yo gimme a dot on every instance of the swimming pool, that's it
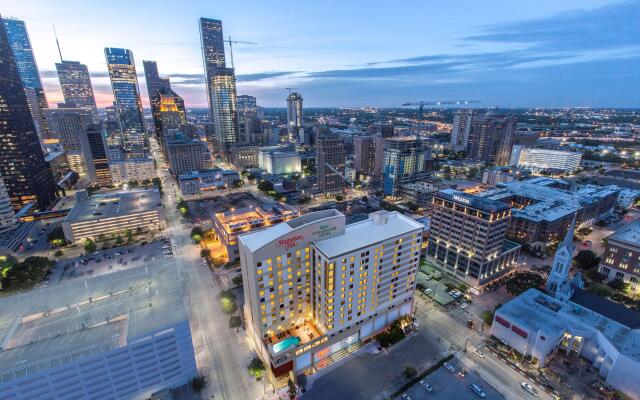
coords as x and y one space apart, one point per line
285 344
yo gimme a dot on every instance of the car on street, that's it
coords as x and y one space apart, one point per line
479 353
464 305
462 373
450 367
428 290
527 387
425 385
406 397
477 389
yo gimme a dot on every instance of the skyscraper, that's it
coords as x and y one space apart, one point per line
368 155
94 148
8 220
28 69
166 105
76 84
124 82
405 160
247 117
330 163
22 166
491 138
462 120
294 115
221 85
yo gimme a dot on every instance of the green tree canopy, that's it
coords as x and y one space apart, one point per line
586 259
523 281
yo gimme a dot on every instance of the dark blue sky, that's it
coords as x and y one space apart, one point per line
364 53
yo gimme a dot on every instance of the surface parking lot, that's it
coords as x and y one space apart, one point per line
450 386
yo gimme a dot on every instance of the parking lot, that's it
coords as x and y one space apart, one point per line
111 260
447 385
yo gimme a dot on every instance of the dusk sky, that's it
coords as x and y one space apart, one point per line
546 53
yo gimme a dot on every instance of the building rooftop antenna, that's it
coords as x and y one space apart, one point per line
57 43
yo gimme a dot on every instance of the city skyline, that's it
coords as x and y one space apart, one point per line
543 54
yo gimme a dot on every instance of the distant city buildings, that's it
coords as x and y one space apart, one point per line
368 156
462 121
20 43
314 286
76 84
467 238
27 177
538 160
124 82
330 164
294 115
621 258
405 160
491 138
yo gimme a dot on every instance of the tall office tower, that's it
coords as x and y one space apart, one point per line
76 84
316 288
330 163
95 150
8 220
224 107
124 82
248 118
405 160
294 115
221 85
28 71
22 166
162 98
467 240
68 125
462 120
491 138
369 156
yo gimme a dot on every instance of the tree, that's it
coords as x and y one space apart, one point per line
238 183
119 240
228 300
129 235
256 368
292 390
237 280
391 335
339 197
586 260
523 281
58 253
89 246
27 273
618 284
265 186
235 321
365 199
198 383
196 234
487 317
56 237
205 253
409 372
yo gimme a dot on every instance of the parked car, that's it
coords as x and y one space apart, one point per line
450 367
428 290
477 389
425 385
479 353
464 305
406 397
527 387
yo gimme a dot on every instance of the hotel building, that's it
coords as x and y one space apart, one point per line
316 289
467 238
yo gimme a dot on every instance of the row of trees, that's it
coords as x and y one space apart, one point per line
15 275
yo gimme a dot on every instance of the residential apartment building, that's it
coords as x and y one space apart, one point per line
491 138
467 240
368 156
405 160
330 163
316 288
621 259
186 154
462 121
538 160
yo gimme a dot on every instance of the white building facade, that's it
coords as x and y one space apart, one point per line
542 159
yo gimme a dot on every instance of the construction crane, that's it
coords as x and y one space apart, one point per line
231 42
291 88
422 103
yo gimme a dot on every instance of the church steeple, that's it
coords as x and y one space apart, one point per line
558 284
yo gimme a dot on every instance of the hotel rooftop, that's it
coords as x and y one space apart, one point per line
250 218
49 327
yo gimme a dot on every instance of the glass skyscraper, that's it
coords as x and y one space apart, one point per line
76 84
124 82
26 175
221 85
167 106
28 69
